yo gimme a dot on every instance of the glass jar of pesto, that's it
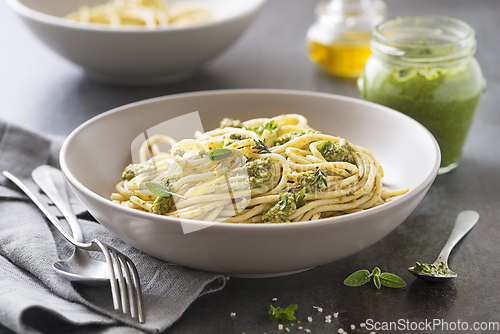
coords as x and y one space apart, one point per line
424 66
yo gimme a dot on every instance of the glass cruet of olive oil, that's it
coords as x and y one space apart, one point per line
339 40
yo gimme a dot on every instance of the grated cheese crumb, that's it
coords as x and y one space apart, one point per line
309 319
307 330
328 321
233 314
341 330
274 299
320 309
287 329
336 314
362 324
300 328
352 326
280 326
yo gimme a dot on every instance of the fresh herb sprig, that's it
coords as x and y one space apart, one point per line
299 193
325 147
363 276
278 314
161 190
320 176
261 146
220 154
299 199
271 126
282 201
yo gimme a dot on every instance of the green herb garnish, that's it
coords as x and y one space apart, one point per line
220 154
278 314
283 201
325 147
261 146
271 126
300 198
161 190
320 176
202 153
363 276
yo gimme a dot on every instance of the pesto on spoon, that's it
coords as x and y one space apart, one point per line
439 270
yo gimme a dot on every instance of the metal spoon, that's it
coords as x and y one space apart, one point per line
80 267
464 223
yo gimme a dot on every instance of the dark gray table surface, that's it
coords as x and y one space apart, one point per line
44 92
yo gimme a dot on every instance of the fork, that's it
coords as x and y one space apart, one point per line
124 278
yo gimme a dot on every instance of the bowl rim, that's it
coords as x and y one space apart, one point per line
35 15
304 224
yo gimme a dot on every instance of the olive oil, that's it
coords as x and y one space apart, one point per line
339 59
339 40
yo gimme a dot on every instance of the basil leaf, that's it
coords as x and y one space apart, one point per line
283 200
161 190
376 281
220 154
391 280
376 271
278 314
358 278
271 126
325 147
300 198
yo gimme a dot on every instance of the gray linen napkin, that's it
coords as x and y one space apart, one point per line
34 298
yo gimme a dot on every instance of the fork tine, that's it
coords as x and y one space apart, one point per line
123 278
115 292
121 281
130 287
137 289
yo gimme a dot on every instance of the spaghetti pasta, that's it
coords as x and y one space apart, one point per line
149 13
269 170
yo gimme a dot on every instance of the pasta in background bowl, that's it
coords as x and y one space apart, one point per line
94 156
137 55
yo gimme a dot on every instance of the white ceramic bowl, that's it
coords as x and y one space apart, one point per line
136 55
94 155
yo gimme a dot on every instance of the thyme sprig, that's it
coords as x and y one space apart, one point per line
261 146
320 176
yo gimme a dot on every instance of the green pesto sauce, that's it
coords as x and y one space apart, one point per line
283 139
162 205
432 269
260 172
274 214
306 180
338 152
443 100
235 137
133 170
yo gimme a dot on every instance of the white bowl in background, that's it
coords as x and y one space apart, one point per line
94 155
134 55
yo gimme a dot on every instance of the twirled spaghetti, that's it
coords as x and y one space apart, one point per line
267 170
150 13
